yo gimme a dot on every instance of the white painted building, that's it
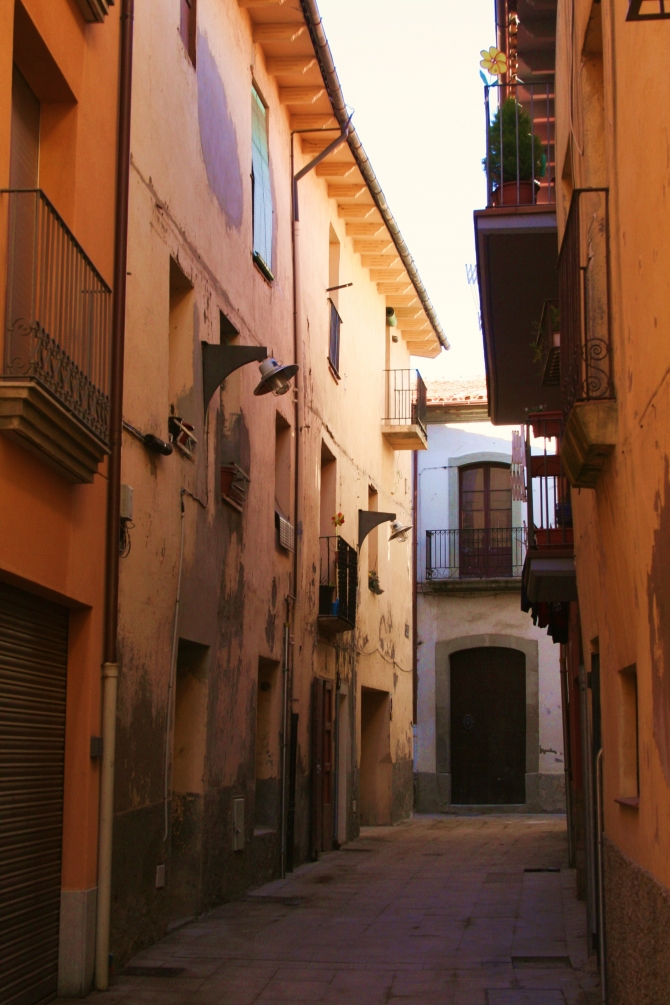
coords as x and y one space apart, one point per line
489 727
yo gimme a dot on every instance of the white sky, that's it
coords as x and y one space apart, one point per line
411 72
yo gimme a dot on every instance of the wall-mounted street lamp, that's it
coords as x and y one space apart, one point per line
219 361
368 519
275 377
399 532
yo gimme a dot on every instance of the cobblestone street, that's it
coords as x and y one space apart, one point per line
474 910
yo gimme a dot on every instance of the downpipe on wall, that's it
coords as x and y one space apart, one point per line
567 754
173 672
110 666
601 885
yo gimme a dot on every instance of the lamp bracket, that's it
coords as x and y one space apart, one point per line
219 361
368 520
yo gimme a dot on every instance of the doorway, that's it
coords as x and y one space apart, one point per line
376 767
33 689
322 764
488 726
188 778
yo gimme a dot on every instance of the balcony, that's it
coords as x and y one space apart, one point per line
495 553
587 384
54 389
516 244
338 585
405 410
549 568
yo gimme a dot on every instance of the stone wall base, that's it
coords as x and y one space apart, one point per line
545 793
637 922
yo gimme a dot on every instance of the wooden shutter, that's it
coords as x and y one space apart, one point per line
33 674
260 181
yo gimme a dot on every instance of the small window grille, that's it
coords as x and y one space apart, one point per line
234 483
286 533
181 434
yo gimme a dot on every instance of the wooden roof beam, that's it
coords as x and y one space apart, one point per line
300 95
390 288
382 261
402 300
372 247
261 3
350 190
280 31
315 122
389 275
334 169
359 211
365 229
290 64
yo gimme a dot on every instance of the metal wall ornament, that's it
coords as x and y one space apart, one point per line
648 10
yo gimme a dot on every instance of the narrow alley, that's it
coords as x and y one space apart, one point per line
449 910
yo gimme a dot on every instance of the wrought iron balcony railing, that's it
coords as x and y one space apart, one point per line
583 281
404 399
338 584
491 553
520 145
59 309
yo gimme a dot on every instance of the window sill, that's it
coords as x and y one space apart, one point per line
633 802
333 372
262 268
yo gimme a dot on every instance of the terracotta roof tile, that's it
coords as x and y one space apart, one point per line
457 392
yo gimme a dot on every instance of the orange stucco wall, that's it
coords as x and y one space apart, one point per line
621 528
53 531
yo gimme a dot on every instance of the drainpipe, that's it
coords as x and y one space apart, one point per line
299 421
567 754
110 666
334 89
284 733
601 881
415 565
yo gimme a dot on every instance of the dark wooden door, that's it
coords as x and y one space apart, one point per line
488 726
322 765
486 521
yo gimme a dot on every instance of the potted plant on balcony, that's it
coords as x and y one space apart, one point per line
523 157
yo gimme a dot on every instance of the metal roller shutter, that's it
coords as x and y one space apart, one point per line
33 675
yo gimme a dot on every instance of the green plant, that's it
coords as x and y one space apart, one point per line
373 582
532 160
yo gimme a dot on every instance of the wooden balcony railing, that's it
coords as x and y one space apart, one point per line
58 314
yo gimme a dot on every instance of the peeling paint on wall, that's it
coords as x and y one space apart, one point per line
218 137
658 593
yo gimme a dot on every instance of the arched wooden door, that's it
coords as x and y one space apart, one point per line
488 726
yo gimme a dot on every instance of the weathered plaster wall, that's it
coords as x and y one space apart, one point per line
191 201
621 534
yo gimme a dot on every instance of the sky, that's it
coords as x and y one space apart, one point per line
411 73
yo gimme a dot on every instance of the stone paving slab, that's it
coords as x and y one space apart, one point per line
438 911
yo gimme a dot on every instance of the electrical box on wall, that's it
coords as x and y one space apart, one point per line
238 824
126 507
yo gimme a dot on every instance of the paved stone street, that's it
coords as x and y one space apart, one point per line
443 910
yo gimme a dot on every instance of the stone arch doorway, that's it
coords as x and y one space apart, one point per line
488 725
444 650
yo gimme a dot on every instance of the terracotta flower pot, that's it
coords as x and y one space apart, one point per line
513 197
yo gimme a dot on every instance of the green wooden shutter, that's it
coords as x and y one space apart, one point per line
260 179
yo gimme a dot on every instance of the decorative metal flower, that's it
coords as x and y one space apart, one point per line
494 61
338 520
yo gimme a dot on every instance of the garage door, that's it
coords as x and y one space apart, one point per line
33 672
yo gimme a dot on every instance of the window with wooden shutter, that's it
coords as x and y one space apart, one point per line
260 186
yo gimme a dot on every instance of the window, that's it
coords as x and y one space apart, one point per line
333 283
180 340
261 191
187 26
486 521
334 341
629 759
